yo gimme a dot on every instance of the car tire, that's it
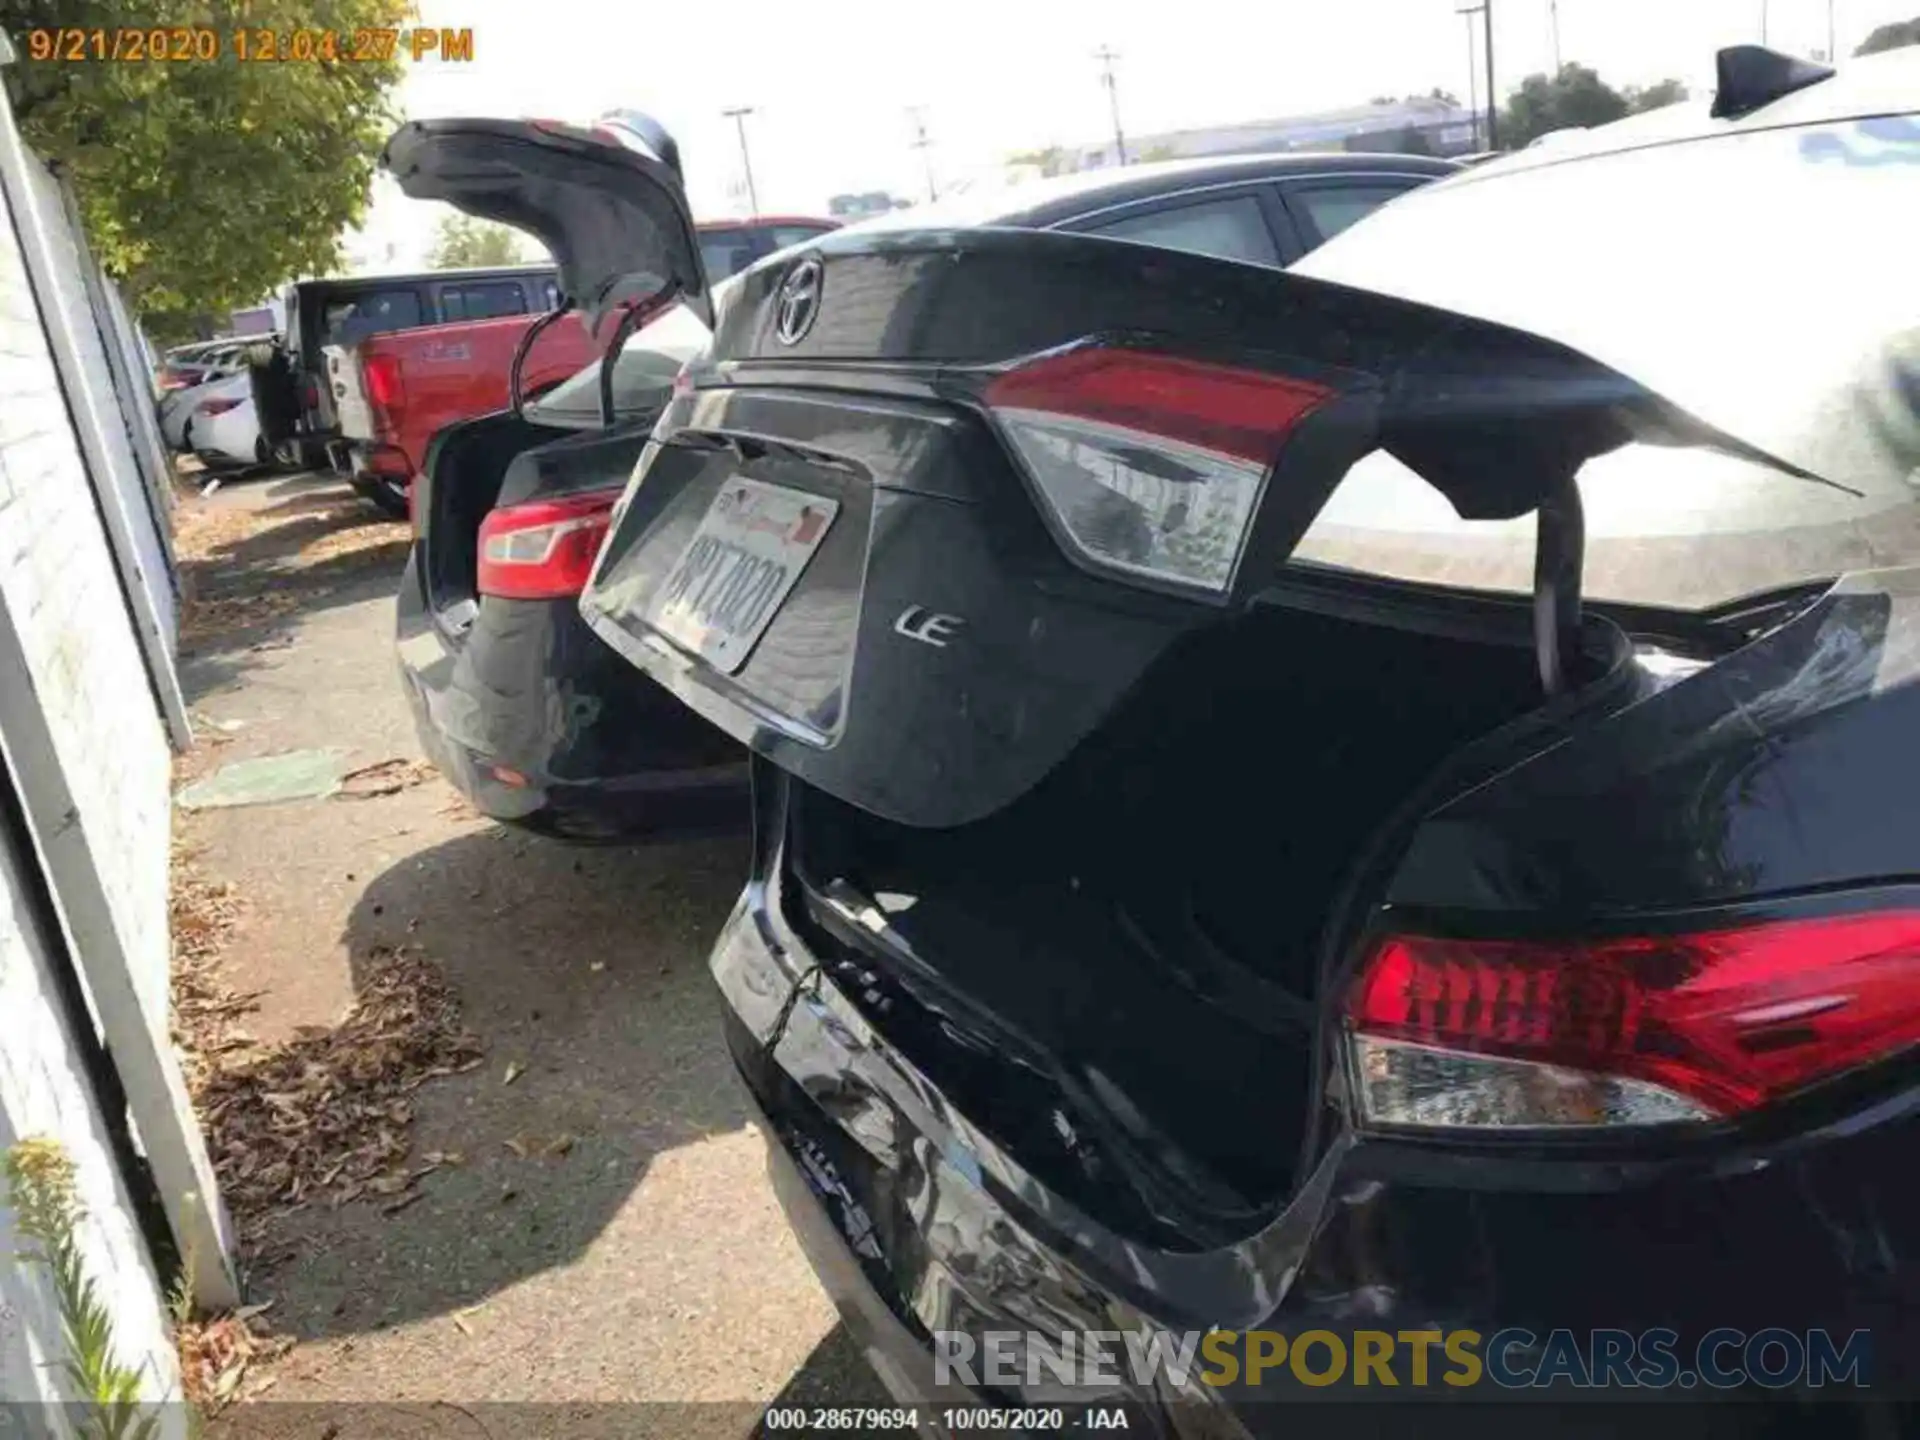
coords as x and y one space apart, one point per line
388 496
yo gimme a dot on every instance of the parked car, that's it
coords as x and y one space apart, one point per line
179 399
727 247
186 365
223 431
1150 930
291 388
394 392
531 716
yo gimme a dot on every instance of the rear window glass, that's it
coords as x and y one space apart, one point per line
1679 529
779 237
1231 229
1332 208
380 310
642 376
727 252
1760 280
482 300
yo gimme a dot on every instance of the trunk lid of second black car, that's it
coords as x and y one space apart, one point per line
938 501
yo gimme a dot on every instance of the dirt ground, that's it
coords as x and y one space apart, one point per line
597 1228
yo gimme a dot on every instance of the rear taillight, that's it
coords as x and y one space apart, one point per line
218 407
1152 464
386 387
310 394
1627 1031
543 550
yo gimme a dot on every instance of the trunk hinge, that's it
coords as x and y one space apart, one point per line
1559 552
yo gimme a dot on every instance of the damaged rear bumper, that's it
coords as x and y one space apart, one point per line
923 1230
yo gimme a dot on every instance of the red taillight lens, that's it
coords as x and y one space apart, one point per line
310 395
219 407
386 388
1152 464
1717 1023
543 550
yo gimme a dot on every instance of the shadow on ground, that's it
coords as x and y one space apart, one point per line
584 971
836 1374
306 544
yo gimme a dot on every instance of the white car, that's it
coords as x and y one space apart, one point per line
223 430
176 406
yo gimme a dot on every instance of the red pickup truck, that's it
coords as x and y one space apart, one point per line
394 392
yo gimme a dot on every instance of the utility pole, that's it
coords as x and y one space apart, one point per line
1763 22
739 115
1473 78
924 146
1553 17
1106 55
1832 40
1485 11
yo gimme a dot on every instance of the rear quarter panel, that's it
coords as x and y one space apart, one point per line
1785 768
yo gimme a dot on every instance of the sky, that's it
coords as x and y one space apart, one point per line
832 85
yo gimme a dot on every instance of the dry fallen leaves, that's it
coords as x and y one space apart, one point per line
325 1114
247 563
216 1354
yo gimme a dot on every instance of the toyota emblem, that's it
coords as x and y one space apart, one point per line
799 302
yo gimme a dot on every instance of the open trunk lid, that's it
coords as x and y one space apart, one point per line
607 201
875 537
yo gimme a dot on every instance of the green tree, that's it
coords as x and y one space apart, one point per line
1891 36
205 184
1049 159
1652 97
1575 97
465 241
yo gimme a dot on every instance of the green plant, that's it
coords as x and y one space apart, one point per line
47 1213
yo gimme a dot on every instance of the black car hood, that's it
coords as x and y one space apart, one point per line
614 217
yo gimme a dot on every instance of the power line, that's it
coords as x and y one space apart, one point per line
739 117
1106 55
924 145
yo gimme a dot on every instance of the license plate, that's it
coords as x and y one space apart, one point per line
732 578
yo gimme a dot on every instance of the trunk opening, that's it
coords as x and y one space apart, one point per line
463 476
1179 865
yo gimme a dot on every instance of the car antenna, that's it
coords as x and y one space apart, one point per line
1750 76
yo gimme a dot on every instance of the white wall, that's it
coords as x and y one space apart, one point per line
62 597
58 580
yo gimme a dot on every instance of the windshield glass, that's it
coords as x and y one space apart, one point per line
1812 360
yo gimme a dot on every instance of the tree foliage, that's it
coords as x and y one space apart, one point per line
465 241
1894 35
1048 160
206 184
1653 97
1576 97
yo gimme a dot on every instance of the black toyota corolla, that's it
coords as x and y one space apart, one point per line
1195 890
535 720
